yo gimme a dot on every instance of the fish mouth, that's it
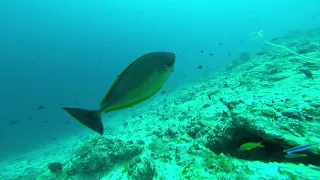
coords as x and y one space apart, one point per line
171 58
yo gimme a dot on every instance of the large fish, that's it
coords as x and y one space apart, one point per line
142 79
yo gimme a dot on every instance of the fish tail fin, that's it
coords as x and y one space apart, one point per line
260 145
89 118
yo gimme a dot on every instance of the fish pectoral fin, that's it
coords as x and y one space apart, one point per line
89 118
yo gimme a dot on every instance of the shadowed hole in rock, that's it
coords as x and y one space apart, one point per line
271 152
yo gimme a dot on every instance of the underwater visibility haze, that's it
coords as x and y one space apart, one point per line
212 89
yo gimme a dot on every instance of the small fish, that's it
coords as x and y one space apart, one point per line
307 73
138 82
314 167
200 67
220 43
274 39
300 148
211 54
13 122
201 51
295 155
250 145
40 107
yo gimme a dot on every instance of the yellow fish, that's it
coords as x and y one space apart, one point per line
250 145
142 79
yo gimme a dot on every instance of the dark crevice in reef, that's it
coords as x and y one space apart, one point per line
272 152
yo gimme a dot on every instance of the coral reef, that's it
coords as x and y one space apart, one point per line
194 132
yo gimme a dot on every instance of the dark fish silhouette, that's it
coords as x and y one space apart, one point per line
40 107
307 73
13 122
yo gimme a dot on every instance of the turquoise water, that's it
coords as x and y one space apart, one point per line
68 53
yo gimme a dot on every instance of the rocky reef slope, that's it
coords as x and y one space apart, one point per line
194 132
